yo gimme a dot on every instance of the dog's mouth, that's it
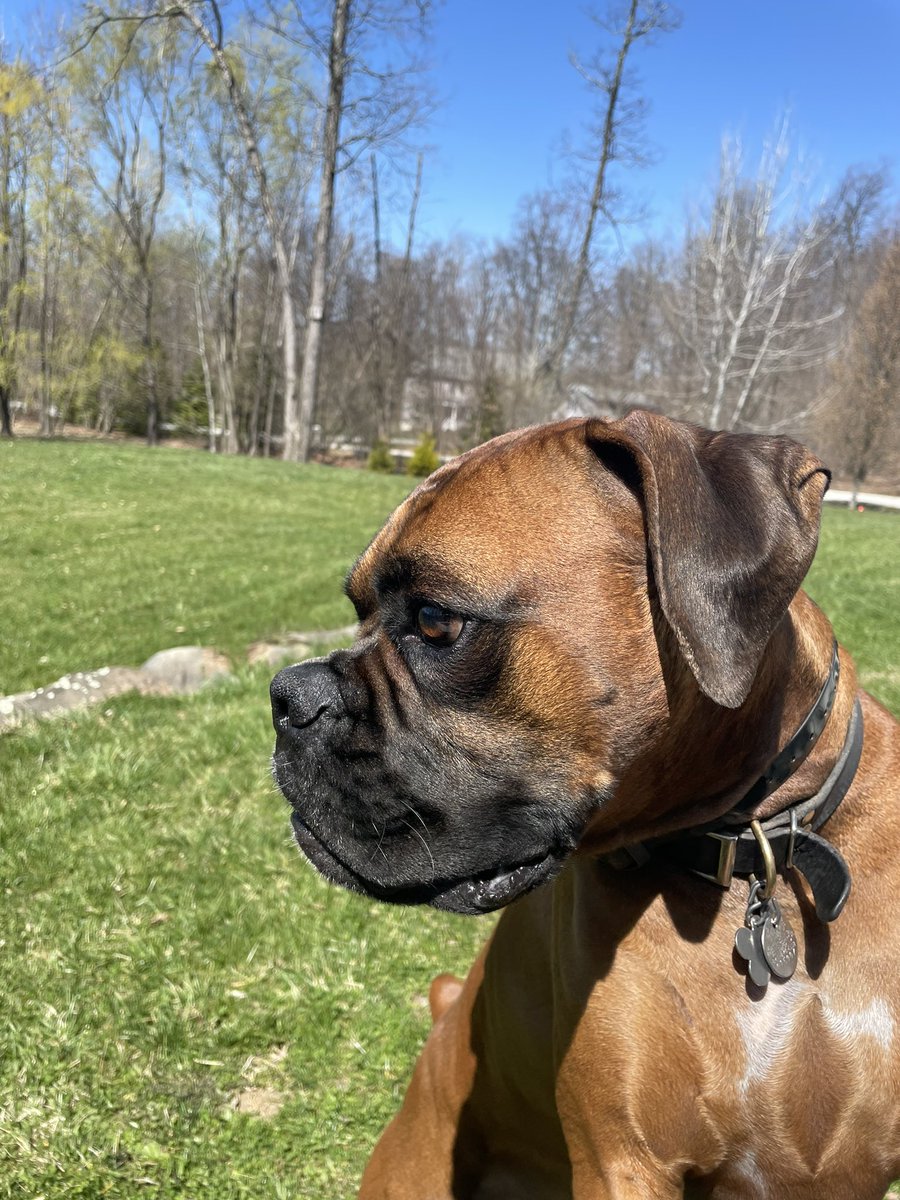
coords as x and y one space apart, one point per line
471 895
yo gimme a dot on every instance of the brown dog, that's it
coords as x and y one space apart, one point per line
584 657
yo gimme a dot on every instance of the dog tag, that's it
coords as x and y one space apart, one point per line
748 943
777 941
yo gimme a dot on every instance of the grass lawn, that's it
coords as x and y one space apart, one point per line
855 579
169 966
166 955
111 552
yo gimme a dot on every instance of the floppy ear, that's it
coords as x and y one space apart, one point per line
732 523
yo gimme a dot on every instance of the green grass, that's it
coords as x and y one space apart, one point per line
163 948
855 579
110 553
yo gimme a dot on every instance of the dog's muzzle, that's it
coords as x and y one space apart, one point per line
354 820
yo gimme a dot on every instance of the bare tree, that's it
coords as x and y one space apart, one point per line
868 376
104 301
389 349
743 303
855 214
618 140
481 314
638 357
211 35
534 268
367 105
214 158
338 67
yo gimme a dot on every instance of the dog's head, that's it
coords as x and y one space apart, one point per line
508 668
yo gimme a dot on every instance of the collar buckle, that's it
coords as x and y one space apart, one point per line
727 853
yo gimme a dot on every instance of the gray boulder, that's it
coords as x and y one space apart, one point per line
277 654
185 669
80 689
294 647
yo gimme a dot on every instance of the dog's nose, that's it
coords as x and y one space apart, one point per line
301 694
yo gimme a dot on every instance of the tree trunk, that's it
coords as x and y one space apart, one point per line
6 429
204 366
552 365
226 384
150 381
315 316
270 410
46 399
261 363
400 364
292 438
382 422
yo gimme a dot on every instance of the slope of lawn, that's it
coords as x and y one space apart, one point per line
186 1009
111 552
855 579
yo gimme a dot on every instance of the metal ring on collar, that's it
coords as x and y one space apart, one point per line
768 859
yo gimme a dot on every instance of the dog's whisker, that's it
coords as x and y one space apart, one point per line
415 813
413 829
381 838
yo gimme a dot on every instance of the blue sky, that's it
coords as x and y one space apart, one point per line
510 93
509 97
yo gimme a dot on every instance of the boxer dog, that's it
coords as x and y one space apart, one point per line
587 688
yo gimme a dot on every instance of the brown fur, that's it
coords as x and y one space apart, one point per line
605 1046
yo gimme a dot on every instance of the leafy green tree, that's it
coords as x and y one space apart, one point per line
126 76
380 458
19 97
191 408
424 458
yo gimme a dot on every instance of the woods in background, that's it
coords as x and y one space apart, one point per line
193 206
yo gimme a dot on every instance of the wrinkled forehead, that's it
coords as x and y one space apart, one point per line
479 526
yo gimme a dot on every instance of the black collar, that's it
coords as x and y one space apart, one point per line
728 847
795 752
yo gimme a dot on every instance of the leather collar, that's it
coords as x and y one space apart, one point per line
728 847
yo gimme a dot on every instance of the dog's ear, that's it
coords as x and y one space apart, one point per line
732 522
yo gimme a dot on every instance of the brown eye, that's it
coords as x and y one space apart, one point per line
437 625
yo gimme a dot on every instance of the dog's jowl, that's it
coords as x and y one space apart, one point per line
588 690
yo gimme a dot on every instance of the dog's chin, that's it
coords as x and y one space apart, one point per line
472 895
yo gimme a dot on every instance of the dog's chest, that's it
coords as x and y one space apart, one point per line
791 1018
814 1085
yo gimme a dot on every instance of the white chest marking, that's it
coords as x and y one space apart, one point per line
873 1021
750 1176
766 1028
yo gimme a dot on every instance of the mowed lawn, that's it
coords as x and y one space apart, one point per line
111 552
186 1010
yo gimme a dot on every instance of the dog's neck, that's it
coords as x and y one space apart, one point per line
812 638
705 758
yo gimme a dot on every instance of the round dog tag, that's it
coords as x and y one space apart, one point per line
779 946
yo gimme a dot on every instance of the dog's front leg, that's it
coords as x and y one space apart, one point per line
631 1134
417 1156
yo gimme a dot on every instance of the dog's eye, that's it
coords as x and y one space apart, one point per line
438 626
